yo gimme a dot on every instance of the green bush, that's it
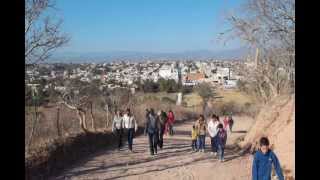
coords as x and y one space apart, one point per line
150 86
169 85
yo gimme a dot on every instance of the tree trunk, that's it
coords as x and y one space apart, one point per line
256 60
33 127
81 116
84 119
92 118
262 92
204 106
107 123
272 87
58 122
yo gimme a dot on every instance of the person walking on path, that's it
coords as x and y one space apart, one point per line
230 123
201 131
163 120
169 124
225 122
194 137
117 126
130 124
263 161
152 129
147 113
221 141
213 131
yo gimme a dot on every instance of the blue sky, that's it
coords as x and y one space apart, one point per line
145 25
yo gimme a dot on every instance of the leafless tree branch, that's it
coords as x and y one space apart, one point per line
42 33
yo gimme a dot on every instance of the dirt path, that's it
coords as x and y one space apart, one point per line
174 161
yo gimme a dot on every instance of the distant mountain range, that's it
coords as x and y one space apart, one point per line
75 57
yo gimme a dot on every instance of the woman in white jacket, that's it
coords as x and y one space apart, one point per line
130 124
213 131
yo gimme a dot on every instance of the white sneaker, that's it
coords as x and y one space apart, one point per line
215 154
211 153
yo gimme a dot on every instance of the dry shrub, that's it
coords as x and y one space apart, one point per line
58 154
226 108
181 112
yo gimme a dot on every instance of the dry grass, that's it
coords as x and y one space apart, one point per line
233 95
192 99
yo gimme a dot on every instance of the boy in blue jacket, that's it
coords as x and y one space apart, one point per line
263 161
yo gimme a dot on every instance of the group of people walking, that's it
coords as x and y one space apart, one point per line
124 124
217 132
156 126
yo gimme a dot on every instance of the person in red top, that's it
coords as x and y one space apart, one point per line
226 122
169 123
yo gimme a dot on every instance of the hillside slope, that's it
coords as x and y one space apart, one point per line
276 120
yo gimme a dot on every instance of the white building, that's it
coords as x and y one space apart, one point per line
169 73
230 84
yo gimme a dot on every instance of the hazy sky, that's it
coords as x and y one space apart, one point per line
145 25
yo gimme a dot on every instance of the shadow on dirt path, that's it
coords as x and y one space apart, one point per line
175 160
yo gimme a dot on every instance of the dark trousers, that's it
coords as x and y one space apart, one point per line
119 133
230 126
161 133
153 141
221 151
171 129
194 144
201 141
214 146
130 138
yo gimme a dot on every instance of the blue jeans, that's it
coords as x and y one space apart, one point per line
153 142
214 144
194 144
201 141
130 137
221 151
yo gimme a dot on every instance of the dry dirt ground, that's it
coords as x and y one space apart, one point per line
175 161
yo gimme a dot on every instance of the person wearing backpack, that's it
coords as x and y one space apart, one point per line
163 120
117 126
221 141
152 129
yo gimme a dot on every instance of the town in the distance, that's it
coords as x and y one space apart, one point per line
219 73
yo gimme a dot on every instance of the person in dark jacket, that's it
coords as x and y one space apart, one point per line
221 141
152 129
230 122
147 113
163 120
263 161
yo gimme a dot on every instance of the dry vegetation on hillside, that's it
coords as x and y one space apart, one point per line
276 121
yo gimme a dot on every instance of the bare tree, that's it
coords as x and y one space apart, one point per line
72 101
206 91
42 30
268 26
